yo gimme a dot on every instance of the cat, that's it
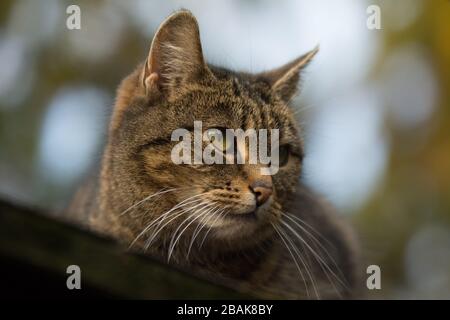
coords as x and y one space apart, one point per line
268 235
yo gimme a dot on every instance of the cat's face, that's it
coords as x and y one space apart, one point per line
231 202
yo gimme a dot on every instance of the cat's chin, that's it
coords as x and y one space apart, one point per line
239 227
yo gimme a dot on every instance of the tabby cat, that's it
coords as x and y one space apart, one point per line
269 235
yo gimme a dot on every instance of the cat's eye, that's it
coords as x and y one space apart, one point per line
219 139
283 155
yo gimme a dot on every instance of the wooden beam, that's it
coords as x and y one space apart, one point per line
40 244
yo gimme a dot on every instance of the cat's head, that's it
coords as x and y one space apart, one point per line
153 196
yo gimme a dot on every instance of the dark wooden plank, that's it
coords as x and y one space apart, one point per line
40 244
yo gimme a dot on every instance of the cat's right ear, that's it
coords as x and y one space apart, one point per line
175 56
284 80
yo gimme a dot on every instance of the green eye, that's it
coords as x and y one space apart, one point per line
283 155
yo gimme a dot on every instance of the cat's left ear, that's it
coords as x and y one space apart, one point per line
175 56
284 80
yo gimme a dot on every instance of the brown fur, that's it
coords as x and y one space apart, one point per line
171 90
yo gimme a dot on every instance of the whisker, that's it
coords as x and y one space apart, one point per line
162 191
321 265
198 215
293 258
305 265
220 214
183 203
157 220
310 227
204 205
174 208
201 226
291 216
318 257
174 216
164 215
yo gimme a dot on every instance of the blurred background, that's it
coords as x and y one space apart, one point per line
375 107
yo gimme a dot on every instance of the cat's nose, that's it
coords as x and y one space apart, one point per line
262 191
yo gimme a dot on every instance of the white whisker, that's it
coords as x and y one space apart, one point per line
201 226
173 216
309 226
291 216
220 214
164 215
198 215
318 257
300 256
162 191
152 223
293 258
305 264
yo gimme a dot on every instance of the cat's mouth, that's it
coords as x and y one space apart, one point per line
245 227
258 214
249 217
241 221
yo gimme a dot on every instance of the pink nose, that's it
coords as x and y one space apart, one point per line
262 192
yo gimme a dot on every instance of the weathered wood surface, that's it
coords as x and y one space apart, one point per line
40 244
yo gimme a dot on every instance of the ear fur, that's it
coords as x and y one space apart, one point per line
284 80
175 55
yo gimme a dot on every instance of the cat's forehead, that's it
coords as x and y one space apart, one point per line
241 84
247 99
235 102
